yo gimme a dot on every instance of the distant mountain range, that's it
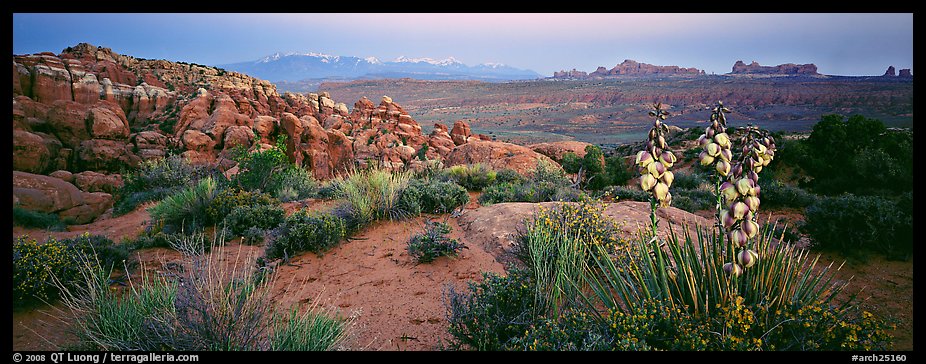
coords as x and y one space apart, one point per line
294 67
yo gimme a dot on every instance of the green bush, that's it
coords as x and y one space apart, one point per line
509 176
690 180
693 200
229 199
374 194
433 196
302 232
186 209
778 194
545 183
855 225
474 177
433 243
598 172
35 264
292 184
253 236
156 179
37 220
245 217
633 193
492 313
258 169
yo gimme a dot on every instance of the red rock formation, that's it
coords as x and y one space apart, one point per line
782 69
498 155
570 74
905 72
630 68
52 195
890 72
555 150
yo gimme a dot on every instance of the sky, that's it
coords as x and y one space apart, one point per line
839 44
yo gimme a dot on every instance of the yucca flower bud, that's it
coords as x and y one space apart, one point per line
709 132
722 139
713 149
705 158
667 178
743 186
733 269
644 158
738 237
738 210
752 202
754 177
661 190
662 141
666 202
656 169
726 154
667 158
727 219
647 181
737 169
747 258
756 191
702 140
729 191
722 167
751 228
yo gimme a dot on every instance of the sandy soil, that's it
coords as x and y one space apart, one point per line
396 303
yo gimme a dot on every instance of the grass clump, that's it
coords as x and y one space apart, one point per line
37 220
474 177
156 179
374 194
186 209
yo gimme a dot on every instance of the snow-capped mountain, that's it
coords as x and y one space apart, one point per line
295 66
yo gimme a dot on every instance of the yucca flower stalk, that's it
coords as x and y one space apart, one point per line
654 163
717 154
741 193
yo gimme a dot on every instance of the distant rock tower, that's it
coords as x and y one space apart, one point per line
890 72
906 73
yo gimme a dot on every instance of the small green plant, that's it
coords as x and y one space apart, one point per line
856 225
292 184
311 330
433 243
545 183
302 232
156 179
186 209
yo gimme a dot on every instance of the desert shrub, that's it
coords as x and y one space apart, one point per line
214 309
509 176
258 168
492 312
433 196
245 217
632 193
156 179
34 265
545 183
616 172
102 248
253 236
302 232
778 194
855 225
474 177
693 200
185 209
374 194
36 220
689 180
433 243
858 155
598 172
229 199
292 184
555 246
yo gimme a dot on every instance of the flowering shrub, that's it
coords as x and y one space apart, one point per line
655 160
492 313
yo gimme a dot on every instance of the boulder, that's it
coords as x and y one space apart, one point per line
44 193
108 121
63 175
265 125
498 155
68 121
90 181
460 133
95 204
238 135
555 150
196 140
34 152
105 155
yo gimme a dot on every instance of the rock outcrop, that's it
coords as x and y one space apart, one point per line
890 72
498 155
629 68
52 195
905 72
740 68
